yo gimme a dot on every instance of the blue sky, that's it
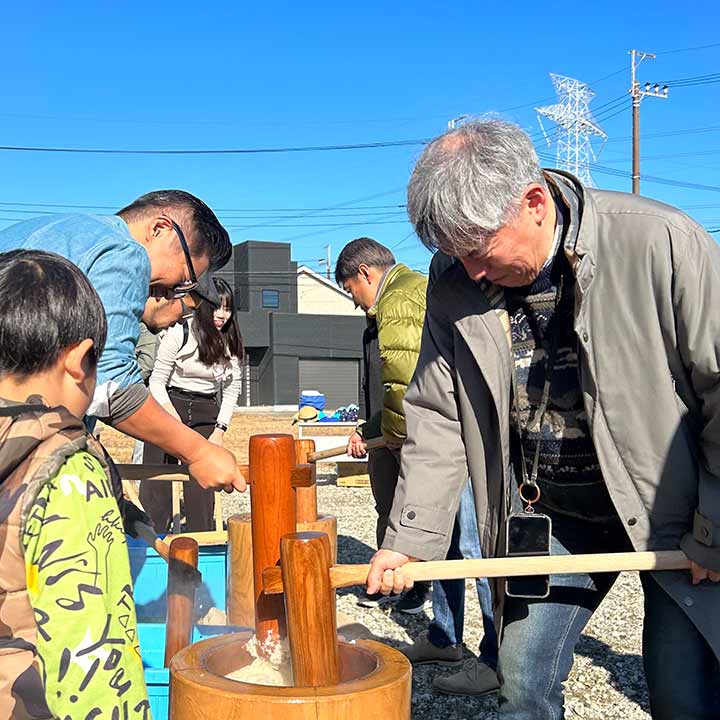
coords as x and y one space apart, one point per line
272 75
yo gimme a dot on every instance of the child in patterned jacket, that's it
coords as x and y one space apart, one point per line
68 632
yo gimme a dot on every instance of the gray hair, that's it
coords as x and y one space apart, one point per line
468 183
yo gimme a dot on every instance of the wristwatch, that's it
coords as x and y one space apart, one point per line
221 426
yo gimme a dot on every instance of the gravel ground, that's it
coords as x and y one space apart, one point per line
606 681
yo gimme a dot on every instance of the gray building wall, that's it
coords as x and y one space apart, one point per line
259 266
276 338
310 336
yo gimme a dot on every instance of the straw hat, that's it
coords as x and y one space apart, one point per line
306 414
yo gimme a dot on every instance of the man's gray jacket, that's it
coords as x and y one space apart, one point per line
647 319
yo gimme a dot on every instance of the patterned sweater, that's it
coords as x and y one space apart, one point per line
569 474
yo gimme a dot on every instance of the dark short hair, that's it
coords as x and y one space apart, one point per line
47 306
208 236
362 251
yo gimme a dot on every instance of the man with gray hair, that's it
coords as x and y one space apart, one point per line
573 344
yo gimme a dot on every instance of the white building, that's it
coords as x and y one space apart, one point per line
316 295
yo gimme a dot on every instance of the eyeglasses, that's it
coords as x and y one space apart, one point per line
181 290
189 308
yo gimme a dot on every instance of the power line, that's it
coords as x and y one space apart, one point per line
609 75
333 225
329 227
229 217
689 81
669 156
688 49
671 133
622 110
216 210
616 172
404 240
614 102
307 148
222 151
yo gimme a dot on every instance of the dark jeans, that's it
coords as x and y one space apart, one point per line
539 637
199 413
448 596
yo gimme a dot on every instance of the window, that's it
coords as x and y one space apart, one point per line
270 299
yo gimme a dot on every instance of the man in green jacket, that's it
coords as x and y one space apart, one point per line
393 298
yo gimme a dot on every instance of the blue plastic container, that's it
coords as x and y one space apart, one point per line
149 574
313 398
157 677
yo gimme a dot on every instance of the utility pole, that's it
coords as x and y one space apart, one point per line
636 57
457 121
327 262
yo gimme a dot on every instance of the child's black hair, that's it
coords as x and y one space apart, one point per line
46 305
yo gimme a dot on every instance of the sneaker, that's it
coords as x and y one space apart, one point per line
423 652
377 600
476 678
415 600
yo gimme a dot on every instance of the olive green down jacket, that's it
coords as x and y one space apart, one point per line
399 312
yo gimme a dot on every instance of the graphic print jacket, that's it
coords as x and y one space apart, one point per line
68 632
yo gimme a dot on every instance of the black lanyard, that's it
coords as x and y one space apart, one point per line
529 483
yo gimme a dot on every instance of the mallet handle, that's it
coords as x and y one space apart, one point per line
149 536
334 452
182 565
348 575
301 475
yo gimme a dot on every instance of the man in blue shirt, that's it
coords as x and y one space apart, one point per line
158 246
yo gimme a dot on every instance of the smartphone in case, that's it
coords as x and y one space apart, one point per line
528 535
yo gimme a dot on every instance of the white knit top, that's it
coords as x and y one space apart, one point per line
178 366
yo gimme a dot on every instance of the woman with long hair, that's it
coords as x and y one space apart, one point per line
197 378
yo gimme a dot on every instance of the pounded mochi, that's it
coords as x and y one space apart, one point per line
274 670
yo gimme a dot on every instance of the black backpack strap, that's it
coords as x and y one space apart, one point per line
15 410
186 335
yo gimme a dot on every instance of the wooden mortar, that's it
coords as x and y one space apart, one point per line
375 684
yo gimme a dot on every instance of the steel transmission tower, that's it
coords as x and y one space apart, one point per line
575 124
